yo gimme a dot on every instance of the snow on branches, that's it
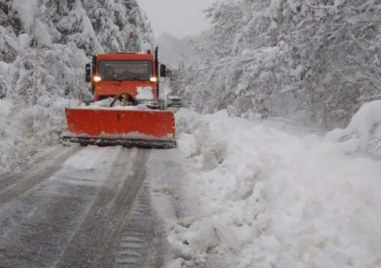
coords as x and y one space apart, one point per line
314 60
44 46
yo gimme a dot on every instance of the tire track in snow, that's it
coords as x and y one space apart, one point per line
96 240
36 226
140 245
15 185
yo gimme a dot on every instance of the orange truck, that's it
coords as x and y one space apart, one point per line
126 109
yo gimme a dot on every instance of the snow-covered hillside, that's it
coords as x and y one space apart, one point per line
44 46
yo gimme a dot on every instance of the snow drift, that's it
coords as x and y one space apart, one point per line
274 194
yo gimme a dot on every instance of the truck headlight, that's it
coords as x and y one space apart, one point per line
97 78
153 79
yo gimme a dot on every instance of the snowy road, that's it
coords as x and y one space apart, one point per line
235 193
79 207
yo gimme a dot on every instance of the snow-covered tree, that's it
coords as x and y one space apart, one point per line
312 59
44 45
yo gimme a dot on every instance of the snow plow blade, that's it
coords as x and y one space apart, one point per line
129 128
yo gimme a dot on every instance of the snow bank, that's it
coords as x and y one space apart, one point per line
363 133
7 130
38 90
277 198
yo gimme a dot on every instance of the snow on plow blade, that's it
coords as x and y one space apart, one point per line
130 128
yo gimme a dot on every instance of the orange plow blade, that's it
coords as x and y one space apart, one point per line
130 128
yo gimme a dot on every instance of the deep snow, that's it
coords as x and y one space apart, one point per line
269 193
274 194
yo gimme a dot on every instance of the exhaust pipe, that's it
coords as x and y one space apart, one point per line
157 70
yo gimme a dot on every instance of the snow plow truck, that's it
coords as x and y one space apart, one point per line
125 109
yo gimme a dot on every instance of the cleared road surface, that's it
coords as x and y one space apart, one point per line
80 207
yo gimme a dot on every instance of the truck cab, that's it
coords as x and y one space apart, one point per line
113 74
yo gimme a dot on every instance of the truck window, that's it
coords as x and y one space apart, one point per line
125 70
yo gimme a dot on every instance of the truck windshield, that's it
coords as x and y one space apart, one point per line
125 70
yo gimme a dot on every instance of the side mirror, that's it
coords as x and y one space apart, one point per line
163 70
88 72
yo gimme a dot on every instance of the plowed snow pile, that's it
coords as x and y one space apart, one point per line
276 195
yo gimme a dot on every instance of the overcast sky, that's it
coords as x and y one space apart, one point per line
178 17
